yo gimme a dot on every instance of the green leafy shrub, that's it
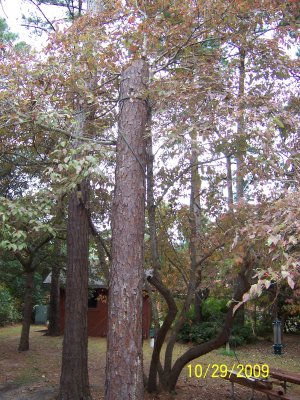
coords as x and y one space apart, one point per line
226 352
204 331
263 324
184 333
241 334
214 309
214 312
199 333
8 310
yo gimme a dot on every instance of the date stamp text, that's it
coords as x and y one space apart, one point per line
258 371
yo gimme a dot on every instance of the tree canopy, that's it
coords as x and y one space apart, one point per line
222 145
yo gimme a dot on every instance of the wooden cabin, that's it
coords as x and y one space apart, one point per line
98 313
98 309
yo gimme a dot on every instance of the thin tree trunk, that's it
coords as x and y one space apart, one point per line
151 207
151 210
198 307
74 383
195 265
229 182
54 326
124 365
24 340
96 6
162 331
241 139
29 264
200 296
195 222
239 177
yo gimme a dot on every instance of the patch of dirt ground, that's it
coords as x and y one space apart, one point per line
34 375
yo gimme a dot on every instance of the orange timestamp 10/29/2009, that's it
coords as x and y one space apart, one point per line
259 371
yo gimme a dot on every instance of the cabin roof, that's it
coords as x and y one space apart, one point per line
94 282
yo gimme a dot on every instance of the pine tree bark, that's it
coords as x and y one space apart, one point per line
124 365
74 382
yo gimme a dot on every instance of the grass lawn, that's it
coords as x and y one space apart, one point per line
23 374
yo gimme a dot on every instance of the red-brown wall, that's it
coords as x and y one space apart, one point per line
97 317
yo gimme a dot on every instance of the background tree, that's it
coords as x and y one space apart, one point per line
25 235
244 258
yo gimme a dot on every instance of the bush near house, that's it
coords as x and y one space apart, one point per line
213 313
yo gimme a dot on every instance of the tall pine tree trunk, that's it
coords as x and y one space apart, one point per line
74 383
124 366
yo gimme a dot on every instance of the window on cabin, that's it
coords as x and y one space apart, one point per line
92 302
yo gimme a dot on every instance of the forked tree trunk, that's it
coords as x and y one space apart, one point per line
74 383
195 259
124 365
162 331
24 340
224 334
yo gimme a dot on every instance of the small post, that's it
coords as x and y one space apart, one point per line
277 346
152 336
232 391
227 348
